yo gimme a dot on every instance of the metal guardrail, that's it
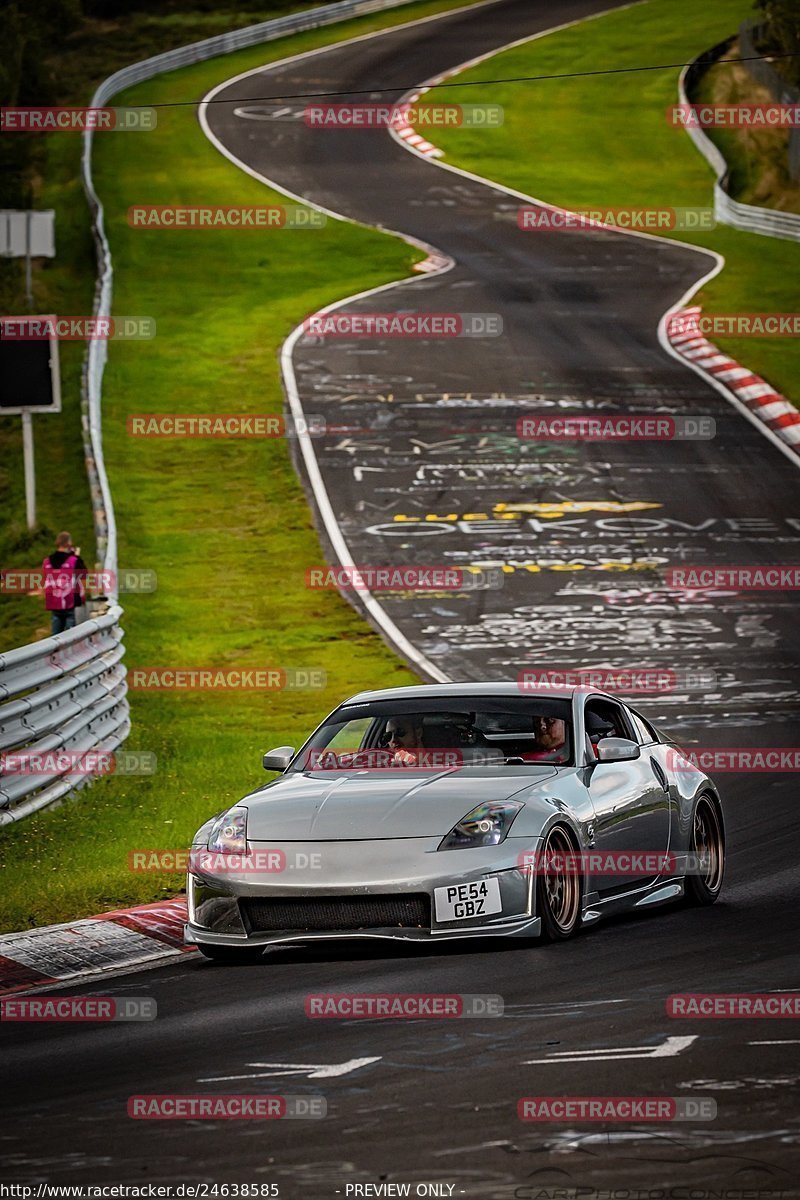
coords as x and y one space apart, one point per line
68 693
767 221
94 363
64 693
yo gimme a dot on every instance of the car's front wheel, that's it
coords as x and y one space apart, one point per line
231 954
558 887
707 848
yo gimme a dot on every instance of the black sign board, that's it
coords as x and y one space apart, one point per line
29 376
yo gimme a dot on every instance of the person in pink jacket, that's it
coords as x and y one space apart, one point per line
64 576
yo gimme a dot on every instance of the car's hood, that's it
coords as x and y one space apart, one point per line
378 804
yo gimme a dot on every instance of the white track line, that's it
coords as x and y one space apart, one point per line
719 259
390 631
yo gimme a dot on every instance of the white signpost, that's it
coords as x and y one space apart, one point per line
27 235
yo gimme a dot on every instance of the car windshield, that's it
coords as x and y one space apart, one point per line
441 734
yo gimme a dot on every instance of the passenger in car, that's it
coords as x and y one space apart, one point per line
551 739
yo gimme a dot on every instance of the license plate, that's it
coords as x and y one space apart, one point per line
464 901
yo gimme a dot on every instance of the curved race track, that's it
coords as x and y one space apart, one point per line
436 1101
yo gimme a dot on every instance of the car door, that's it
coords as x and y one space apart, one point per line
631 803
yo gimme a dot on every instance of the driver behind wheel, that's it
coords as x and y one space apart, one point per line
404 737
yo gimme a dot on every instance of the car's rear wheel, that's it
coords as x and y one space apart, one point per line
558 888
707 846
231 954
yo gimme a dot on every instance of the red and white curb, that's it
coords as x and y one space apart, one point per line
433 263
409 134
127 937
760 397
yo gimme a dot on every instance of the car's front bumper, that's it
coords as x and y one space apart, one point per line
330 871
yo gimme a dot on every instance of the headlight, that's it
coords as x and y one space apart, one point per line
486 825
204 832
228 834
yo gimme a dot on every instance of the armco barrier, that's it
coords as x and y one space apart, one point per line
63 693
69 692
94 365
767 221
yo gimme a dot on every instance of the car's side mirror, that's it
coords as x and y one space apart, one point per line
617 749
278 760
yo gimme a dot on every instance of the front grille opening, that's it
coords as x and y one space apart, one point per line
339 914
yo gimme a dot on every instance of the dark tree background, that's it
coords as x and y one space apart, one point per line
782 35
27 34
37 37
53 52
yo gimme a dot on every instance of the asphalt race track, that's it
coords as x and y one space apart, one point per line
436 1101
580 315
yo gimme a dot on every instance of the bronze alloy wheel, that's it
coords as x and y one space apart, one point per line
559 888
707 847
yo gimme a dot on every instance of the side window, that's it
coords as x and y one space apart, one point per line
644 730
603 718
351 735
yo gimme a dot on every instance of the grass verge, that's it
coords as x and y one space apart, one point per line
605 141
225 525
95 48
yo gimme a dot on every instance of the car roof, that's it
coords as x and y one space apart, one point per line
425 691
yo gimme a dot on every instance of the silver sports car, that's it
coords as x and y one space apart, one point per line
452 811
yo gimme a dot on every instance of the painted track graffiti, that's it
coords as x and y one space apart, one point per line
422 460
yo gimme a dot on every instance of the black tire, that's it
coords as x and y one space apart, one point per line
559 894
232 955
707 843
